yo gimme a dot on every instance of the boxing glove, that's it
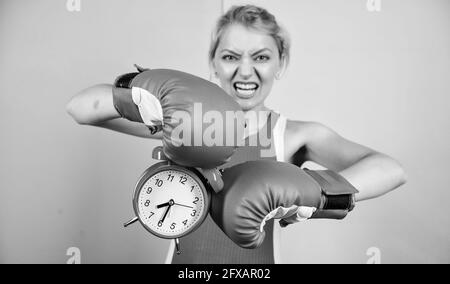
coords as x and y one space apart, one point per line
184 107
256 191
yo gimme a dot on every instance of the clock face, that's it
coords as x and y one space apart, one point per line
170 203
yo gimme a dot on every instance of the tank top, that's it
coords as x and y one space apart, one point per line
208 244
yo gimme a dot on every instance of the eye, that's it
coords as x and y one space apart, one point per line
262 58
229 58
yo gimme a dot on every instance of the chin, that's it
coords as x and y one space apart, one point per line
246 108
246 105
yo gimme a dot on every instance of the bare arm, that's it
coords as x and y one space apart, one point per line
94 106
371 172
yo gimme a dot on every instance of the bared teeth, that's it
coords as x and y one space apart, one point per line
246 86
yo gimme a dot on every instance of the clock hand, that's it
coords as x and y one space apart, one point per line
183 205
165 215
163 205
171 203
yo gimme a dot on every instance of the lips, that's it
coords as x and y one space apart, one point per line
245 90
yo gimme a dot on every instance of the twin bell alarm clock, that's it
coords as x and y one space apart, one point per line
171 201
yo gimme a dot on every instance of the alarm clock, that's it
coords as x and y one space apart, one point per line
171 201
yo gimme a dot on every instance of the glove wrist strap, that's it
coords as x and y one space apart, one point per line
122 98
338 195
338 202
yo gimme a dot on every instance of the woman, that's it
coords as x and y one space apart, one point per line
249 51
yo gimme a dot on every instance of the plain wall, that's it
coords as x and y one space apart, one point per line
378 78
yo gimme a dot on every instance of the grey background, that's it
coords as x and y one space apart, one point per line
378 78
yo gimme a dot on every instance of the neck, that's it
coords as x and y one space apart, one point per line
256 118
258 109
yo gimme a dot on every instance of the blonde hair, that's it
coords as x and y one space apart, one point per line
252 17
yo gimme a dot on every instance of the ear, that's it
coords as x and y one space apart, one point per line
282 68
212 69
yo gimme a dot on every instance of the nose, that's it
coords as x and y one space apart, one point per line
246 69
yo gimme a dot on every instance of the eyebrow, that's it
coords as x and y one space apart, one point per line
261 51
255 53
229 51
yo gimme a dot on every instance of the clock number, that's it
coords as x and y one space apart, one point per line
151 214
193 213
192 188
147 203
160 224
172 226
183 180
185 222
159 182
196 200
170 177
149 190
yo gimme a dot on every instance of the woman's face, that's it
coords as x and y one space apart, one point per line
247 62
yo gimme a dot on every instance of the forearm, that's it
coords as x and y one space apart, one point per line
93 106
374 175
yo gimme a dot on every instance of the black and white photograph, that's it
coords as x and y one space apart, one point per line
224 132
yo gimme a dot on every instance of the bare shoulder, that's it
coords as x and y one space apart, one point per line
301 133
306 130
